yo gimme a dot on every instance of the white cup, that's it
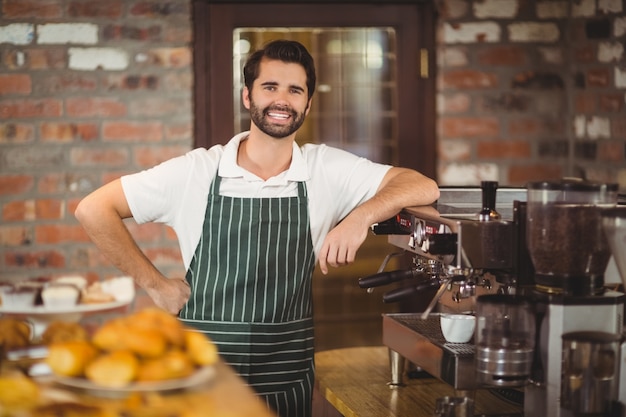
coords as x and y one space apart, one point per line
457 328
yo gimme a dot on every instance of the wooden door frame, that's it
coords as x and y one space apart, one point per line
214 117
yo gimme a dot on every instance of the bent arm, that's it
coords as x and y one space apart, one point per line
400 187
101 214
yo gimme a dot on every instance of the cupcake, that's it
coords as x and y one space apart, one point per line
56 296
76 280
19 297
121 288
4 286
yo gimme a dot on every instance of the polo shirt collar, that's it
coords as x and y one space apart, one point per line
228 168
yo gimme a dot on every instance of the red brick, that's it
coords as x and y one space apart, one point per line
502 56
133 131
40 9
70 207
95 107
53 58
58 183
109 176
611 103
170 57
30 108
177 81
16 133
92 157
159 9
468 79
18 211
503 149
16 184
457 103
147 232
599 77
150 156
49 209
164 256
611 151
618 128
68 132
576 30
108 9
535 126
12 236
585 103
67 83
154 107
87 257
179 131
521 174
134 33
459 127
35 259
59 233
585 54
15 84
131 82
179 34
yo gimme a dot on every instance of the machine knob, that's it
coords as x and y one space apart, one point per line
441 244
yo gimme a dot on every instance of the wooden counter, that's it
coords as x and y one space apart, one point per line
354 382
224 395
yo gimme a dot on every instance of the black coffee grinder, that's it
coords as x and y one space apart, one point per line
570 253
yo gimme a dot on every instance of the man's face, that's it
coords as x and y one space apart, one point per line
278 102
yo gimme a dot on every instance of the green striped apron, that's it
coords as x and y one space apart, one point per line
251 293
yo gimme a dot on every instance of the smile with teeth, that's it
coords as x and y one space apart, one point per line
281 116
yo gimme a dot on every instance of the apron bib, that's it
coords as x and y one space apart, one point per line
251 293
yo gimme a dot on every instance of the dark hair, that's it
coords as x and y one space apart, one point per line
282 50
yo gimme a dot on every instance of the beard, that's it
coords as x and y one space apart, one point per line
259 118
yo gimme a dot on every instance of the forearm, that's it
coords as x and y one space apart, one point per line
401 188
117 244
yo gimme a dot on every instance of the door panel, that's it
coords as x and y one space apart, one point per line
414 28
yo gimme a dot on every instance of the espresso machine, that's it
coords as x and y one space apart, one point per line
545 244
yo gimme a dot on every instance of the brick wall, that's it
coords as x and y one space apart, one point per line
88 91
92 90
531 90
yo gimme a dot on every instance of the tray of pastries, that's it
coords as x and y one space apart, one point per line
64 295
149 350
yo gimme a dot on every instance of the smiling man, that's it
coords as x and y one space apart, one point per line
252 218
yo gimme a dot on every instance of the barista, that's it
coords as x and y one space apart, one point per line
252 217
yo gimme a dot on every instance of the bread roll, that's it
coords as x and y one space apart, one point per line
62 331
108 337
115 369
14 333
161 320
70 358
147 343
173 364
200 348
16 389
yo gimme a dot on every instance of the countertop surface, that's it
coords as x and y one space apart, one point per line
222 395
354 382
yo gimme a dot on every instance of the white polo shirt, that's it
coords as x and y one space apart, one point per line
175 192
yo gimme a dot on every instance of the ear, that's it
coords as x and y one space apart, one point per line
308 107
245 97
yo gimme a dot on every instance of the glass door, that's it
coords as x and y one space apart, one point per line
355 106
